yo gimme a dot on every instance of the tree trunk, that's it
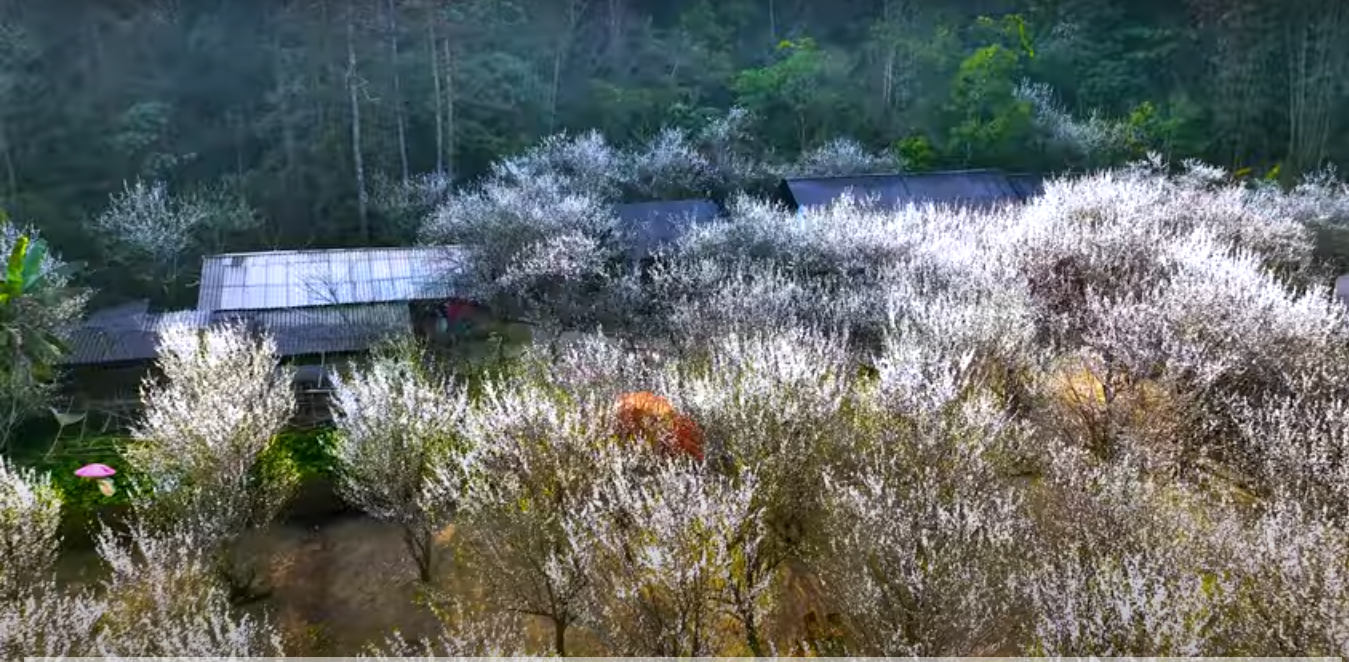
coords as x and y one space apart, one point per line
615 34
560 637
11 173
773 21
432 43
553 90
752 636
240 137
353 91
400 123
1316 65
449 109
575 8
292 184
421 547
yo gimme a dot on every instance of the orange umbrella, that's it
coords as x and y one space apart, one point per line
652 417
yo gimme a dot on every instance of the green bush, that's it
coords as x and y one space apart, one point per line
80 498
82 501
310 451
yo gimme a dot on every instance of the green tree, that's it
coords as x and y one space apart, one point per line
36 309
800 98
989 123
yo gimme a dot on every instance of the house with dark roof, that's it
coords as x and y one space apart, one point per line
974 188
322 307
655 224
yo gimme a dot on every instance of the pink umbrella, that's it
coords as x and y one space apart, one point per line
102 473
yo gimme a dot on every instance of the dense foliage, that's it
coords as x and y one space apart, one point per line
1107 421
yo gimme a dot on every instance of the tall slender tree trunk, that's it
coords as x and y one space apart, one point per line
449 109
324 104
11 172
615 44
773 21
292 184
288 143
1316 61
553 89
240 137
400 122
433 44
358 161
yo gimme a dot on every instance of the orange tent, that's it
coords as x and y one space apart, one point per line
651 417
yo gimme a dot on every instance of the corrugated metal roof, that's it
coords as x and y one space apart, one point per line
662 222
298 332
124 315
964 187
301 279
327 329
121 338
1027 185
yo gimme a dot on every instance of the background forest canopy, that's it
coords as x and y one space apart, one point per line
297 123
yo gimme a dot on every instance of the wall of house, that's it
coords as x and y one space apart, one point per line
108 394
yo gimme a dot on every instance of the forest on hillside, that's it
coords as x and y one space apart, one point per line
299 123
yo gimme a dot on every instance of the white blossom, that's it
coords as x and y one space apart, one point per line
30 517
841 157
399 455
205 433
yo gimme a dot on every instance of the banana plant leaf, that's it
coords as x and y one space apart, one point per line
21 294
14 267
31 271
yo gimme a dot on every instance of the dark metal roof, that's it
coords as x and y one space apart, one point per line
328 329
662 222
1027 185
963 187
123 315
300 279
122 338
298 332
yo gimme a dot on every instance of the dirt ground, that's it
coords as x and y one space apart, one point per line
339 585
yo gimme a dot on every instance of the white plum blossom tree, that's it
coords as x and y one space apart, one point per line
529 515
30 517
669 542
205 442
147 221
164 598
841 157
400 457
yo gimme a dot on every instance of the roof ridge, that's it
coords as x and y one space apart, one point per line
927 173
